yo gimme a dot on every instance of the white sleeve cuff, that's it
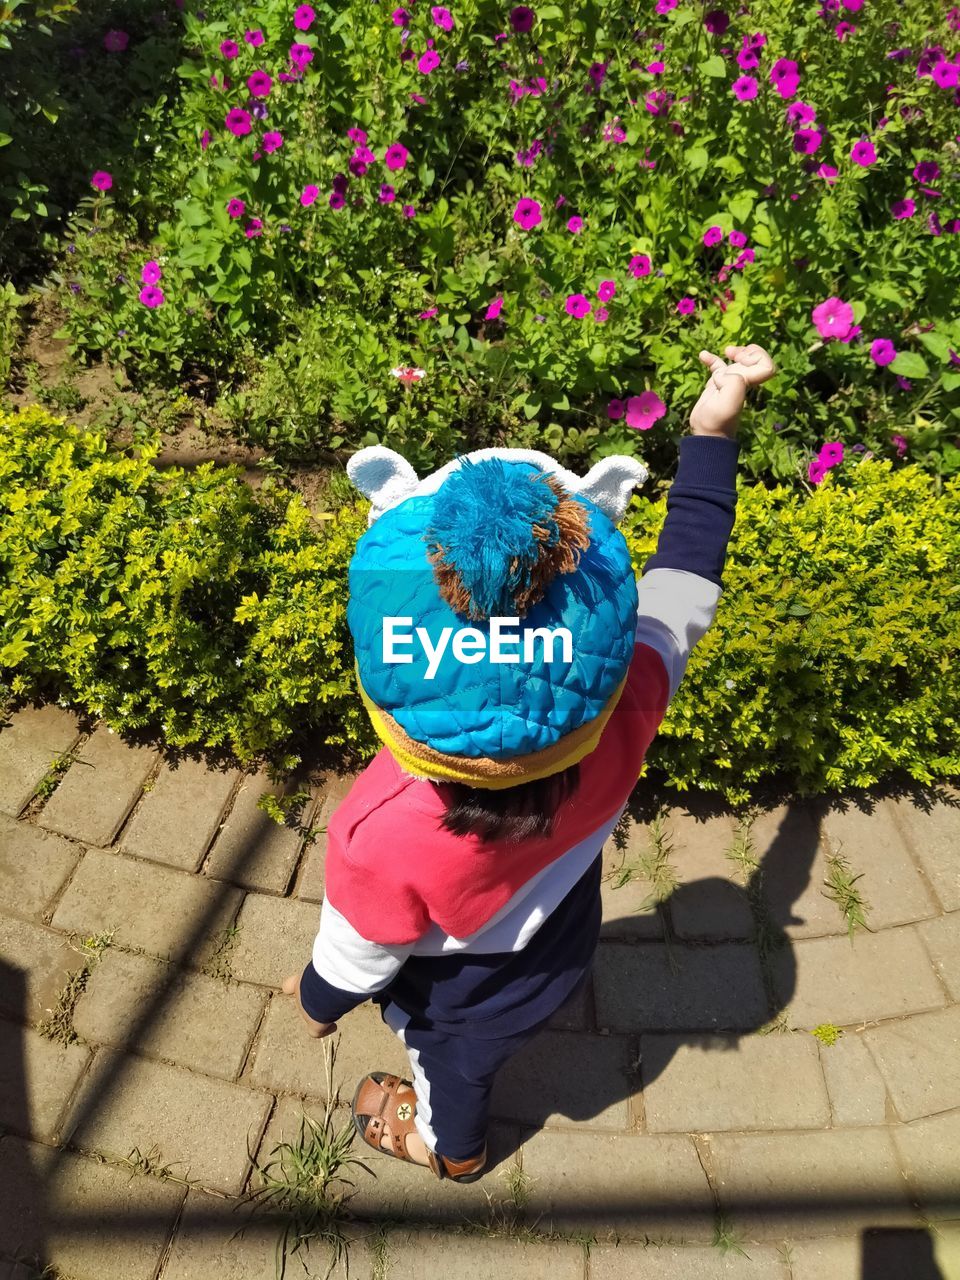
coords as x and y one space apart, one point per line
676 608
348 961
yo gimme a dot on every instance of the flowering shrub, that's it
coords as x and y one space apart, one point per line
184 602
552 209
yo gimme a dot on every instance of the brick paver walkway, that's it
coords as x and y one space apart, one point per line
680 1119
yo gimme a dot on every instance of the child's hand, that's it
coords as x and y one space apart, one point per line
717 410
291 987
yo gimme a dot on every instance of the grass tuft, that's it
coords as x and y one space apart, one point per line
59 1025
841 888
725 1237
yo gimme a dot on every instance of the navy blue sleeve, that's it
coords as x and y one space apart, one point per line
701 509
324 1002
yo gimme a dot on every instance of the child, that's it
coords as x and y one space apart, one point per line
463 868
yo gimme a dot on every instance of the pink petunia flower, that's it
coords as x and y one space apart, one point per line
745 88
238 121
253 229
575 225
639 265
303 18
356 135
427 315
900 443
116 41
230 49
644 410
236 208
387 194
409 211
946 74
337 200
816 471
807 141
831 455
396 156
799 113
101 180
863 153
903 208
833 318
428 62
828 173
205 138
926 172
522 19
747 59
665 6
528 214
615 409
151 296
844 29
272 142
442 17
494 309
737 239
785 77
253 38
400 18
309 194
882 351
577 305
712 236
301 55
259 84
606 290
151 273
686 306
717 21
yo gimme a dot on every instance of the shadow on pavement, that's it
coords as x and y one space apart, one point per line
17 1169
898 1253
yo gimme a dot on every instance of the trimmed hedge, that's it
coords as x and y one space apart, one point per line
185 602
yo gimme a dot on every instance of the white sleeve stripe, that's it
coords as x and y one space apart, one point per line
676 608
348 961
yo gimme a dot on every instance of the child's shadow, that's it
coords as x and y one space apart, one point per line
704 993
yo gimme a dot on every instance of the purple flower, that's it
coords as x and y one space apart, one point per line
303 18
882 351
253 38
238 121
903 208
494 309
717 21
528 214
253 229
831 454
337 200
577 305
615 409
101 180
236 208
396 156
151 296
926 172
807 141
575 225
521 19
409 211
301 55
387 194
785 77
863 153
745 88
442 17
799 113
259 84
272 142
116 41
737 239
230 49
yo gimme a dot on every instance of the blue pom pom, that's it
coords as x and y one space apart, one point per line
482 527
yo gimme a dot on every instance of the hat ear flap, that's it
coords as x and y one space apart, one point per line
611 482
383 476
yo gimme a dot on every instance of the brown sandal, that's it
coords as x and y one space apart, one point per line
384 1103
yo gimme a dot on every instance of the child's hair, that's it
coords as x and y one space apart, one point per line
514 813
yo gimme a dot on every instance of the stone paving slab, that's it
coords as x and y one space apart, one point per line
918 1058
724 1082
158 909
906 1253
34 866
711 988
685 1262
873 845
791 849
179 816
931 831
72 1208
785 1185
857 1093
206 1247
202 1127
626 910
942 940
710 901
631 1185
577 1013
414 1255
274 939
310 881
930 1151
287 1060
29 744
202 1023
99 789
252 850
877 975
39 1072
565 1077
34 966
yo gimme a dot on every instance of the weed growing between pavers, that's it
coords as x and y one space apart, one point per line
52 779
653 865
34 1269
59 1025
725 1237
150 1165
305 1181
841 888
220 963
827 1033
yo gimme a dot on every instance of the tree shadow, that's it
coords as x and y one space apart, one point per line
895 1253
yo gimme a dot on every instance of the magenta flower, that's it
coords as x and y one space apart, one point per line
396 156
230 49
656 68
301 55
601 315
946 74
717 21
737 239
521 19
303 18
528 214
494 309
356 135
575 225
785 77
800 113
882 351
926 172
665 6
409 211
151 272
816 471
253 38
807 141
116 41
712 236
903 208
272 142
577 305
615 409
151 296
337 200
442 17
400 18
644 410
831 454
900 443
828 173
686 306
428 62
833 318
236 208
639 265
844 29
253 229
309 194
238 121
101 180
606 290
259 84
745 88
387 194
427 315
205 139
747 58
863 153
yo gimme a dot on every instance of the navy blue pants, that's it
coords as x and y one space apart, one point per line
462 1017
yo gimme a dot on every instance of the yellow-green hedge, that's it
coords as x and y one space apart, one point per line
183 601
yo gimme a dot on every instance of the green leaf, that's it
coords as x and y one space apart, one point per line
714 67
549 12
531 408
909 365
799 611
741 206
5 139
697 158
937 345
